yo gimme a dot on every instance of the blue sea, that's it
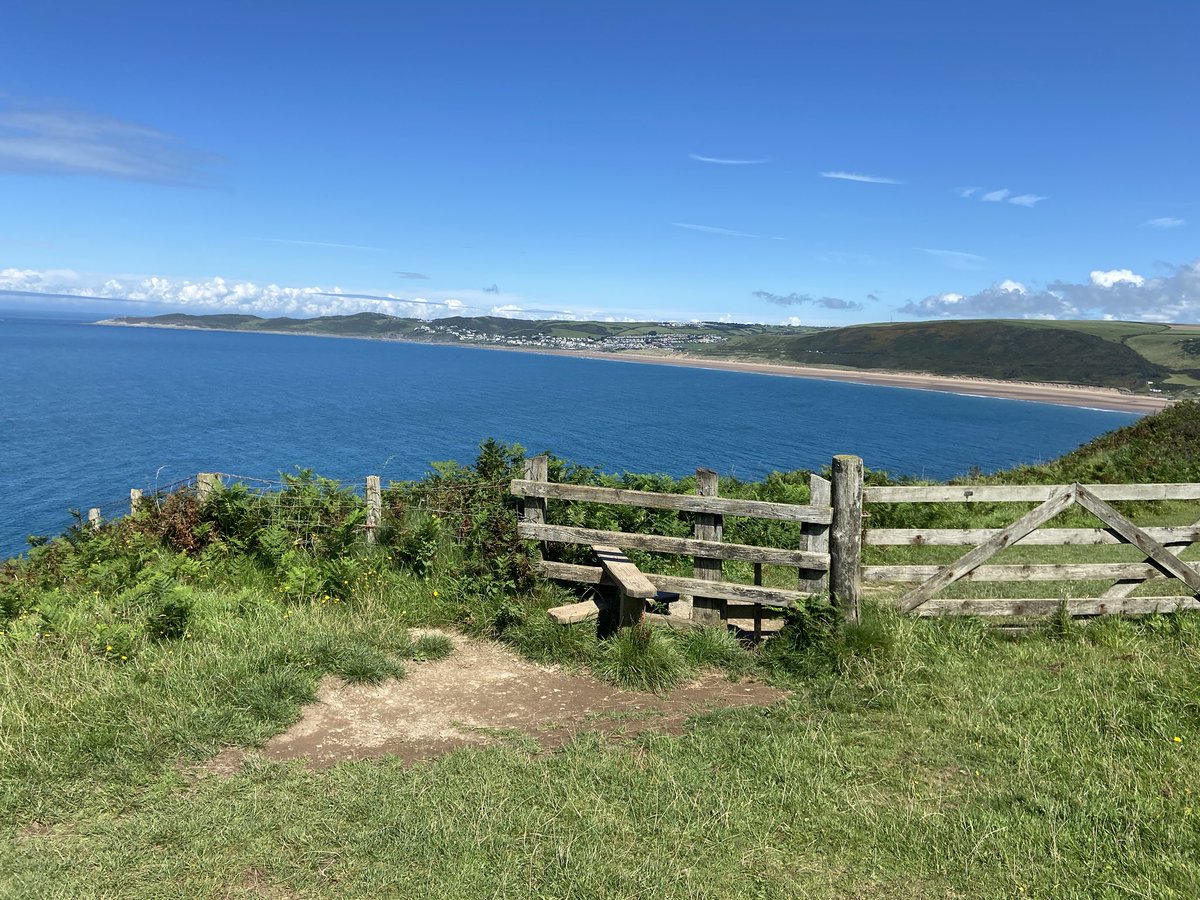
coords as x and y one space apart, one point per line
89 412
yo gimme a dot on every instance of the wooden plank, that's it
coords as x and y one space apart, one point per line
1157 553
1061 572
1091 606
568 534
537 471
724 590
959 537
573 613
815 536
1003 493
135 500
1127 586
623 573
727 506
845 536
1017 530
707 527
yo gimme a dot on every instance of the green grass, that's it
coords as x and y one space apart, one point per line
943 762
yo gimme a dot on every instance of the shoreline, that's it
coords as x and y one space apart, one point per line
1080 396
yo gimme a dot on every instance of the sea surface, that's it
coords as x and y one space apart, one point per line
90 411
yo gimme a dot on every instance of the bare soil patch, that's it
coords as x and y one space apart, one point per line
483 693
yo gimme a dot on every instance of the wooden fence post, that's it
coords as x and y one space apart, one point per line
374 508
708 527
537 468
815 537
93 520
206 483
135 500
845 538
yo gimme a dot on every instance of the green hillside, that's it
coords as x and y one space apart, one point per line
1006 350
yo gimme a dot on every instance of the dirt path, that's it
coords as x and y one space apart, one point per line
481 694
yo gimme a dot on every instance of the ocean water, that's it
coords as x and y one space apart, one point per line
88 412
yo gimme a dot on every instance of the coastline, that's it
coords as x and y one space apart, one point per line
1108 399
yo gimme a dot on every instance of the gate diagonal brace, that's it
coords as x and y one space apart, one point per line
1030 522
1130 533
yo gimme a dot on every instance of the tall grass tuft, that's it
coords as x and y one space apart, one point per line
641 658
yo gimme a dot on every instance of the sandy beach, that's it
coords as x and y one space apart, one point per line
1034 392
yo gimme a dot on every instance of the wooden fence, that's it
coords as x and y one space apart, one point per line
828 558
830 528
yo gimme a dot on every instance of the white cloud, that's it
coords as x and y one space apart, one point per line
223 295
69 142
1165 222
727 162
1115 277
866 179
711 229
1003 195
955 259
794 321
1114 294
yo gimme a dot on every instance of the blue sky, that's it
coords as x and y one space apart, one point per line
667 160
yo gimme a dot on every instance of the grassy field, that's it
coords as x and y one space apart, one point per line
910 758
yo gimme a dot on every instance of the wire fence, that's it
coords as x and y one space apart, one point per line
306 502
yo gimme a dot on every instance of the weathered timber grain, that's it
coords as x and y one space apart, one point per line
814 536
947 575
573 613
374 508
1126 586
569 534
93 518
621 571
1159 554
135 500
1060 572
845 536
206 483
965 537
988 493
710 528
1092 606
756 509
724 590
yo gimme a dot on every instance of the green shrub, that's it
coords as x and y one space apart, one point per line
641 658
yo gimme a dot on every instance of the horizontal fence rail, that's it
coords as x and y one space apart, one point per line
757 509
569 534
1007 493
962 537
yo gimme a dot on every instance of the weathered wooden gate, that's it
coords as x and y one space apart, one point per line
1161 548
